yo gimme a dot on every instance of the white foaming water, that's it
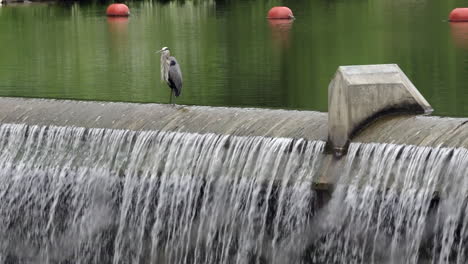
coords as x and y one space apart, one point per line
386 208
80 195
75 195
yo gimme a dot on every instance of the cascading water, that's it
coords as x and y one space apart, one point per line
386 207
75 195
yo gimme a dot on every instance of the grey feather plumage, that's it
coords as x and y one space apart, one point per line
170 72
175 76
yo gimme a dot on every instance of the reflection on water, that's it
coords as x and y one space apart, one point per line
231 55
118 29
118 25
280 31
459 32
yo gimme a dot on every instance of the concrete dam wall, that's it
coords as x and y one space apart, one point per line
426 131
102 182
403 129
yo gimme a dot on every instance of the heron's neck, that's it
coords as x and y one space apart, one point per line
165 66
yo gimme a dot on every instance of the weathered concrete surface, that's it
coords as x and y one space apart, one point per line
360 94
430 131
405 129
194 119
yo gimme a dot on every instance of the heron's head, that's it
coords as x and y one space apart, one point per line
164 50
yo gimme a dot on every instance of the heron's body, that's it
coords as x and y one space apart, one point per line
175 76
170 72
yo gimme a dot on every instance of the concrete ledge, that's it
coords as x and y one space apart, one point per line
425 131
358 95
143 117
401 129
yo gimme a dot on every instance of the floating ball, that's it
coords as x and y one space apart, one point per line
118 10
459 15
280 12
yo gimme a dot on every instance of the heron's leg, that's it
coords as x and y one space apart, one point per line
173 98
170 98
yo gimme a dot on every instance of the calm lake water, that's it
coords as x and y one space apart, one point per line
230 54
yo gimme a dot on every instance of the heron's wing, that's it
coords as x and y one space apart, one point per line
175 76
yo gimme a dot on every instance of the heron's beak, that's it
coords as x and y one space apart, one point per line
159 51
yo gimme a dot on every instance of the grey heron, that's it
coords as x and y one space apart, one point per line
170 72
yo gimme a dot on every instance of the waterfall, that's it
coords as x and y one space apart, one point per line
84 195
75 195
396 204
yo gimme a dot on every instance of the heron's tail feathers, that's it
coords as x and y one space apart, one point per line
177 91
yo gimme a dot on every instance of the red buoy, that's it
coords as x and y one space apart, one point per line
459 15
280 12
118 10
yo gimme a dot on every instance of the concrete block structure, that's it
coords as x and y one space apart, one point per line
360 94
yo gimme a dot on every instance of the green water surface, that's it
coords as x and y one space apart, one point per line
230 54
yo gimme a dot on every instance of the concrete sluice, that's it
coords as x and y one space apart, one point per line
91 182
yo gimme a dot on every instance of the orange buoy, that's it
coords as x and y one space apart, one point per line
280 12
118 10
459 15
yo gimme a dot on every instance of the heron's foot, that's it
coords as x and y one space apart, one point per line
179 107
183 109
